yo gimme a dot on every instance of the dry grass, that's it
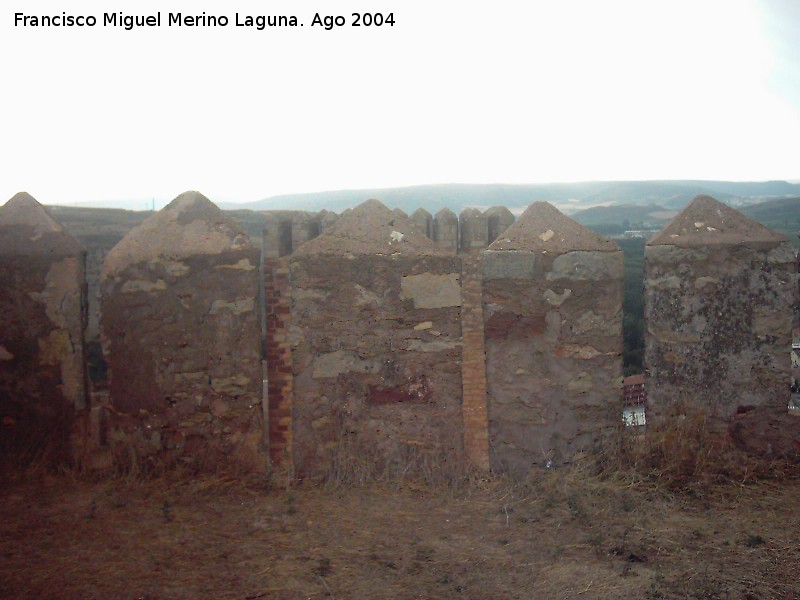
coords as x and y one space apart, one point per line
691 453
349 460
681 514
589 531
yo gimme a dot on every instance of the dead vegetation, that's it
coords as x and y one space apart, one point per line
683 514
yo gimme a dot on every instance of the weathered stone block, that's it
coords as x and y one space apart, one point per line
182 335
552 305
587 266
429 290
719 292
445 230
42 323
376 343
508 265
424 222
473 231
500 219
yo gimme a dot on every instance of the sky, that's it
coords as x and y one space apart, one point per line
454 92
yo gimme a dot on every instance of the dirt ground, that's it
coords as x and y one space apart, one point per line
562 534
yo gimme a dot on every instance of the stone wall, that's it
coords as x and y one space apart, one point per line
719 293
552 295
376 345
98 230
279 232
280 382
42 323
473 363
181 332
388 342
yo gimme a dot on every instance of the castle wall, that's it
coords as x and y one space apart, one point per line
445 230
181 332
553 327
499 219
182 340
552 308
376 349
719 321
424 222
280 380
719 296
473 364
42 322
398 341
473 231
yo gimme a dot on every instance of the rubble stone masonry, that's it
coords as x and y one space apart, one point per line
181 331
552 301
388 342
278 306
719 292
376 344
473 364
42 323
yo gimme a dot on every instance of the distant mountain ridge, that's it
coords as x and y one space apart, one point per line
569 197
781 215
649 215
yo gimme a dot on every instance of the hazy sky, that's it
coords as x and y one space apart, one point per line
456 91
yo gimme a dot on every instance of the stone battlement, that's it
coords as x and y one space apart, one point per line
467 233
241 339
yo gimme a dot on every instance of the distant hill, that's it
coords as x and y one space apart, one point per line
781 215
431 197
569 197
606 207
636 217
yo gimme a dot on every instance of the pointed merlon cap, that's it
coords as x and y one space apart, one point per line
470 213
370 228
189 225
446 215
500 212
328 219
543 228
423 220
500 219
421 215
709 222
27 228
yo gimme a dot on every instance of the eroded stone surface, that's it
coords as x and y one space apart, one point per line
518 264
424 222
718 310
473 230
445 230
542 227
500 219
429 290
376 343
552 295
590 266
181 333
42 320
709 222
189 225
370 228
